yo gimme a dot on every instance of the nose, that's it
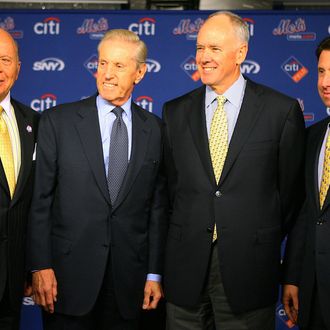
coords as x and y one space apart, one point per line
205 56
326 80
109 71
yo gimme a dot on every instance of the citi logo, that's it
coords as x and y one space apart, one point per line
50 25
250 67
283 317
294 69
250 23
91 64
44 102
152 65
146 102
189 66
146 26
49 64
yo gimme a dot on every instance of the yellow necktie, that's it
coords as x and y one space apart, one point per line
218 142
6 154
326 173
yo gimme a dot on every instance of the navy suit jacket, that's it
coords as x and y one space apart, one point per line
253 205
14 212
74 229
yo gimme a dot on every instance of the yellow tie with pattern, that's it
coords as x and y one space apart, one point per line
326 173
218 142
6 154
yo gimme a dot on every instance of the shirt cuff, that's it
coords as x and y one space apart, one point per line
154 277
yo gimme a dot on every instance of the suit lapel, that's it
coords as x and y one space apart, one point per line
251 107
25 128
3 179
195 109
316 146
140 138
87 125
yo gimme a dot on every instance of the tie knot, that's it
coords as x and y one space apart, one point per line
221 100
118 111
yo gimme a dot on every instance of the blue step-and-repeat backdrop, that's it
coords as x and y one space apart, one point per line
59 61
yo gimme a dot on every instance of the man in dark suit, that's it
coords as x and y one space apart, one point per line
233 155
18 128
307 261
97 220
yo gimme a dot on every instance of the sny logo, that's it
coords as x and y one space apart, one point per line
250 67
152 65
50 25
49 64
189 66
44 102
146 102
145 26
294 69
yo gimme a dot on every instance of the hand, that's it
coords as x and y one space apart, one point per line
152 293
290 301
44 287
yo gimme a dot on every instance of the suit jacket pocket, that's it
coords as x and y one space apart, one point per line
259 146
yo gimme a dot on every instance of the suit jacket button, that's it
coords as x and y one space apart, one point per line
218 193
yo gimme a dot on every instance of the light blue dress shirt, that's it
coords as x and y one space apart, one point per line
106 120
234 95
321 157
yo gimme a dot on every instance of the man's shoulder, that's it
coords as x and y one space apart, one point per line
318 126
145 115
197 93
24 108
69 108
268 92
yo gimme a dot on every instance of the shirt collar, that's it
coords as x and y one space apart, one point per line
233 93
104 107
6 105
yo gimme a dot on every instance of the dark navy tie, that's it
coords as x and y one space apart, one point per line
118 155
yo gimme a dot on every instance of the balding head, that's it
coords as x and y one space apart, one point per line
9 63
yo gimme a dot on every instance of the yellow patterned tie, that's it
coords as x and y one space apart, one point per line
326 173
6 154
218 142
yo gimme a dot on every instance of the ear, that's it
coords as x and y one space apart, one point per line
141 71
18 69
241 53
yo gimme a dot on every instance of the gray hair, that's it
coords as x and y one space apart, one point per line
240 26
128 36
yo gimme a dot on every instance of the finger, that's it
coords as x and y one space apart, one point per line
287 309
146 300
154 302
50 301
54 289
